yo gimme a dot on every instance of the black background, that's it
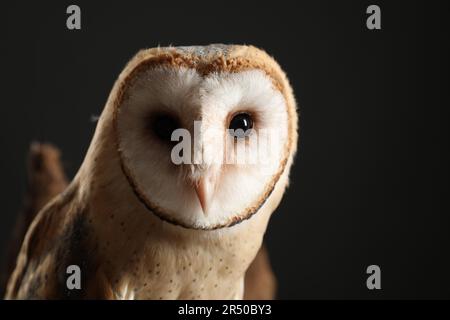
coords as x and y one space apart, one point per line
370 183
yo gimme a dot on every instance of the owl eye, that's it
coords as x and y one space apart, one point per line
240 125
162 125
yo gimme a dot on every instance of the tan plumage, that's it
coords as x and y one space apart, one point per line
132 243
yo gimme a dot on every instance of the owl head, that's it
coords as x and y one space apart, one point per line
203 134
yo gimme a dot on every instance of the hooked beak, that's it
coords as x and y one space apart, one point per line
205 189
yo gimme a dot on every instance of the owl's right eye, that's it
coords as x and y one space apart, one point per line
162 125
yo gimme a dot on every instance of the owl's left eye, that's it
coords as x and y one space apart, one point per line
163 125
241 125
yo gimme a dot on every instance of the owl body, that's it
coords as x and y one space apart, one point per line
140 227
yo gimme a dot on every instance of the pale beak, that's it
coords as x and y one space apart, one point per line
205 189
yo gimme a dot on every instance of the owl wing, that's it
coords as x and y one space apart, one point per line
46 179
56 238
260 281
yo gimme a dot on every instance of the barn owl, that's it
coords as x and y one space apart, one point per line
140 225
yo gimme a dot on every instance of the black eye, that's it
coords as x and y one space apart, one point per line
162 125
240 125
